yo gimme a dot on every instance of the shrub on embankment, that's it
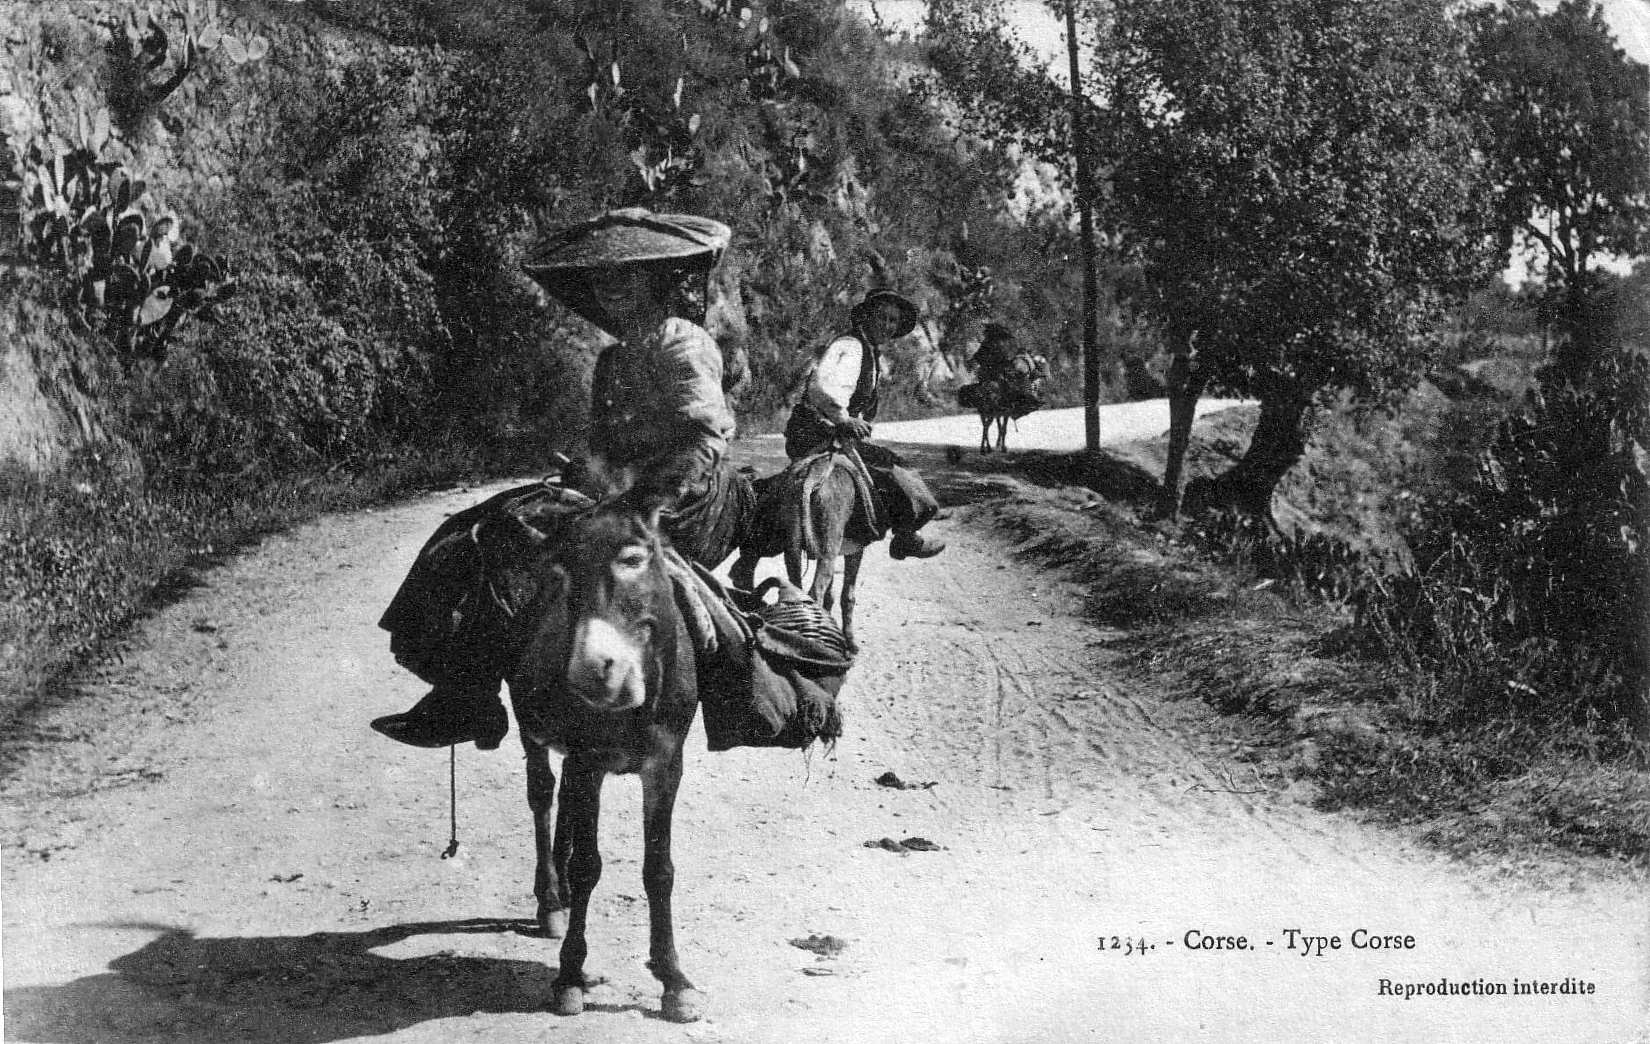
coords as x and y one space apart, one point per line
355 182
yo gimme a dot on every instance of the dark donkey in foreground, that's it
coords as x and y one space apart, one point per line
605 674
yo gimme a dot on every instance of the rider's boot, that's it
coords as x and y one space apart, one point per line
912 545
449 714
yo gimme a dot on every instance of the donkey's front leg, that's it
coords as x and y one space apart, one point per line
824 580
824 585
581 795
660 779
550 867
850 581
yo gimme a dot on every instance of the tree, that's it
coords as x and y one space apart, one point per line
1567 115
1304 196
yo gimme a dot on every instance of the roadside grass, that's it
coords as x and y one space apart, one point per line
1484 756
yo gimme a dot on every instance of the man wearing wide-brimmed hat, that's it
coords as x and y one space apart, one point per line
840 401
657 413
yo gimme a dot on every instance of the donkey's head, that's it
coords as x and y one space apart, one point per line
618 600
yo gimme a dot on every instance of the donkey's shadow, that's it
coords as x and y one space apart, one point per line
277 989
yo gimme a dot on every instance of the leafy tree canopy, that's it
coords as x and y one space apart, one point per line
1568 116
1301 183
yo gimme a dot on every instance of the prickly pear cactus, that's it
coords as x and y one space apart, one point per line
132 276
152 61
78 208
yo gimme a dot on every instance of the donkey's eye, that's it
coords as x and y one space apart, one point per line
632 558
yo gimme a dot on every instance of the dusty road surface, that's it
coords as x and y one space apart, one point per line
209 845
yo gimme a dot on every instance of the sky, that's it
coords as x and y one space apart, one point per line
1036 25
1628 19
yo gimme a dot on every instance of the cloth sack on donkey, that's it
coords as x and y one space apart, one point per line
449 619
774 676
1022 385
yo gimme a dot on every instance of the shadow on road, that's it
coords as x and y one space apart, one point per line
279 989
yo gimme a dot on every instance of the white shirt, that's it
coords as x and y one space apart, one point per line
835 377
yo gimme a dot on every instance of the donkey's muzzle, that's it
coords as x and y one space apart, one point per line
604 668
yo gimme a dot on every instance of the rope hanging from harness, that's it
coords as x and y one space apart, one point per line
452 801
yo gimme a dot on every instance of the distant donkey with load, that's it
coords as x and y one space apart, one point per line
1009 385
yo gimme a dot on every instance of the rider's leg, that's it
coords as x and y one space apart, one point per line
907 499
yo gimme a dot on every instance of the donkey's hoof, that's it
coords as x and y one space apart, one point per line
683 1005
553 924
569 1000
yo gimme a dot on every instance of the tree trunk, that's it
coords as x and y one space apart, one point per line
1635 637
1638 721
1278 443
1587 327
1185 385
1085 212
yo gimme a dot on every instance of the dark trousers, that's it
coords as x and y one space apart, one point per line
907 502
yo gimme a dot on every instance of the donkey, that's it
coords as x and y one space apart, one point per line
604 672
1012 394
806 516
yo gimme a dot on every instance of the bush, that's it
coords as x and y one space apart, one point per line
1538 568
324 354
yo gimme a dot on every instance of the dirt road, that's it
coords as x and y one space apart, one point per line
210 845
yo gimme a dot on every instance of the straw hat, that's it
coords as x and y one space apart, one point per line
566 262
